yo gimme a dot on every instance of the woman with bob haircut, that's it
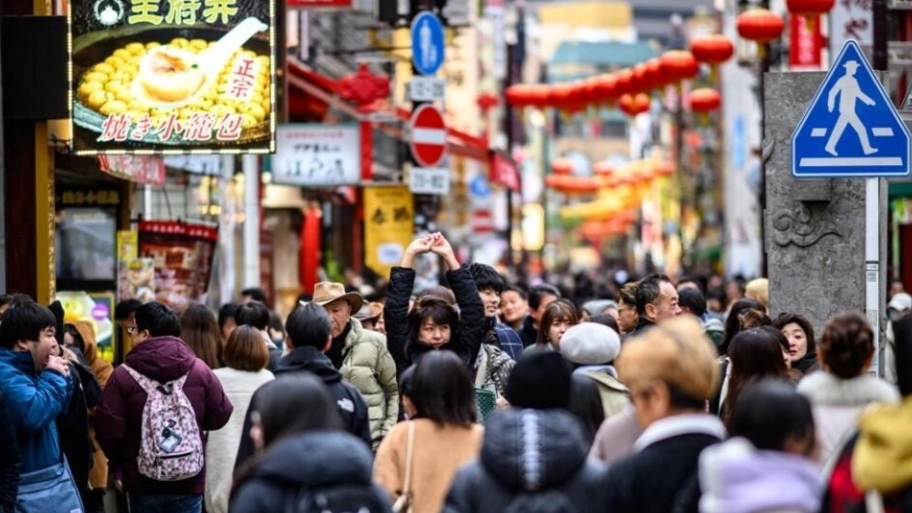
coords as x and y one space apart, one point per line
442 433
559 316
756 354
245 357
432 323
300 447
802 346
842 390
671 371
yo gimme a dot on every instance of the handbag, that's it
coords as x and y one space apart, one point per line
404 503
47 490
485 398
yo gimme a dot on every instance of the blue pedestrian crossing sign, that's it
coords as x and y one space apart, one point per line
851 127
427 43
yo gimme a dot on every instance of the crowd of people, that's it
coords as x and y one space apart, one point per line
481 396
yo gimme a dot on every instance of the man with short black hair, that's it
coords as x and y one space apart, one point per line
490 285
693 302
309 331
540 296
256 315
656 300
627 309
254 294
158 356
37 387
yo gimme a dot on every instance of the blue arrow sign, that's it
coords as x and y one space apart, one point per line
851 127
427 43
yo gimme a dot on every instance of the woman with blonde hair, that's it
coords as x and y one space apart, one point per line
671 371
758 290
245 357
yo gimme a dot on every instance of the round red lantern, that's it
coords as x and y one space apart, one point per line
642 79
704 100
654 73
632 105
679 65
605 88
760 25
561 166
713 49
486 102
809 8
527 95
624 83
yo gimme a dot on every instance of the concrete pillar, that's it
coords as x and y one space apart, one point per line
815 229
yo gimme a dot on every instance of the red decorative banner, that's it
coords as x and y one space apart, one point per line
135 168
806 43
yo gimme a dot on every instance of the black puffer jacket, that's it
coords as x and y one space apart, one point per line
306 461
9 460
469 335
308 359
531 461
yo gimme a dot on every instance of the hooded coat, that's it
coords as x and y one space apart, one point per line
465 341
308 460
531 461
737 478
349 400
118 417
35 400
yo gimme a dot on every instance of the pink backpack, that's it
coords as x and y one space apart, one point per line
170 447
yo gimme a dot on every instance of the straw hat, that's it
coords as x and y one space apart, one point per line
326 292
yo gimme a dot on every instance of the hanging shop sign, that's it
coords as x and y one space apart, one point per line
388 226
181 253
316 155
144 169
172 76
197 164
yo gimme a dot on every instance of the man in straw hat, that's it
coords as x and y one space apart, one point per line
362 357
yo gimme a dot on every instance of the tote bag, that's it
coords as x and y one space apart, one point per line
49 490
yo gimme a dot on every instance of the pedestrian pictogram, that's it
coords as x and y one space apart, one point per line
427 136
851 127
427 43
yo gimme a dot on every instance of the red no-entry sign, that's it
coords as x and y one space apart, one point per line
428 136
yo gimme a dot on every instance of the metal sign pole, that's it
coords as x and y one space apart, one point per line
872 265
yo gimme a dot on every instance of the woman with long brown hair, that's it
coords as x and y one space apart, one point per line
756 354
200 330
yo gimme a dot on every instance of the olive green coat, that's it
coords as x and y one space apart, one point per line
367 364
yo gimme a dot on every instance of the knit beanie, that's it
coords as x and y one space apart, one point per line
540 381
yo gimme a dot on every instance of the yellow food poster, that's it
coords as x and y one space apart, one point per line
95 308
127 245
172 76
389 225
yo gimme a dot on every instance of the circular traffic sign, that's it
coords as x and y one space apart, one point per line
428 136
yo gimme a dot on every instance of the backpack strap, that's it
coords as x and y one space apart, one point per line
148 384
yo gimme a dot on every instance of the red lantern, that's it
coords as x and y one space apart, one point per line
560 166
605 88
642 78
364 89
679 65
713 49
527 95
704 100
760 25
633 105
809 9
486 102
624 83
654 73
581 185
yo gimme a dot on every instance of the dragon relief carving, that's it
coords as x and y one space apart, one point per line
804 225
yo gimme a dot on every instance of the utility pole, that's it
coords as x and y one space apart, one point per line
512 126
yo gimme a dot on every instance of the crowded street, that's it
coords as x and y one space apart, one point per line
460 256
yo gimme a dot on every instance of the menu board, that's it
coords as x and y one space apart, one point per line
172 76
181 254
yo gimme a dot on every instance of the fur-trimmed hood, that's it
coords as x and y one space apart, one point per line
825 389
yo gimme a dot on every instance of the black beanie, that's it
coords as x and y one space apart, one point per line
539 381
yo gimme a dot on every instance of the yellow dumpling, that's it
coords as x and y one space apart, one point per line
97 99
87 88
136 48
113 107
103 67
95 76
123 54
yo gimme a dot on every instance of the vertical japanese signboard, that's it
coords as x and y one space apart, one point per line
851 19
804 50
388 226
172 76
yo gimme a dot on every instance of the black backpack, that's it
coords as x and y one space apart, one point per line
340 498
